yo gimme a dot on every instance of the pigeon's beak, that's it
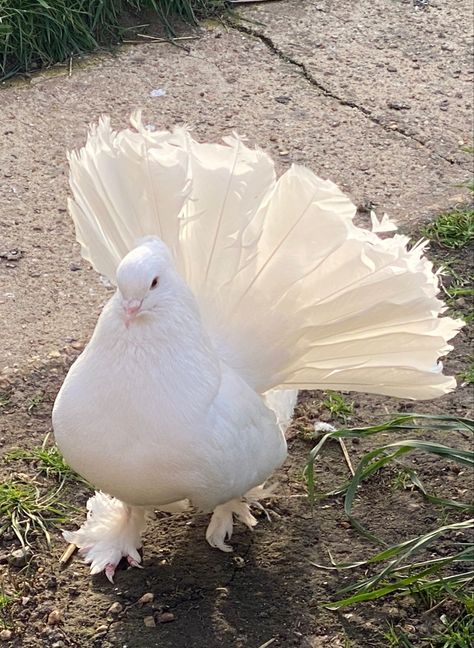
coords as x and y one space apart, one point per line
130 309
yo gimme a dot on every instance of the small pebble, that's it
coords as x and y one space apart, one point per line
283 99
166 617
102 629
54 617
149 621
390 611
397 105
6 635
20 557
115 608
146 598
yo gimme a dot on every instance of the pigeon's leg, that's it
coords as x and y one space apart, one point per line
222 521
111 532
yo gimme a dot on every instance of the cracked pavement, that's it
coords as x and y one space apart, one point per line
406 65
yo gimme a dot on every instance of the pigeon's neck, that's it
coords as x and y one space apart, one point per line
172 351
174 332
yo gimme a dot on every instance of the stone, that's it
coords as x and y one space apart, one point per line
166 617
149 621
146 598
397 105
54 617
20 557
101 630
115 608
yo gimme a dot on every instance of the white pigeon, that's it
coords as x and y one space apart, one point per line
234 290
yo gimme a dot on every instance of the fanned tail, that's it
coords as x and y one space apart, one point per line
294 294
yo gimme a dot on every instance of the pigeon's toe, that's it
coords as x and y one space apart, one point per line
111 532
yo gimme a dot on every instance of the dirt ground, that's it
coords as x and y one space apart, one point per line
377 96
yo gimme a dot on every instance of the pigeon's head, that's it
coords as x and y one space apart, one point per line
145 278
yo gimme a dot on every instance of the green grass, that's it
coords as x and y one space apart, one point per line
48 461
34 402
454 632
6 601
24 509
403 479
39 33
338 406
397 638
453 230
457 632
459 290
467 376
5 401
402 571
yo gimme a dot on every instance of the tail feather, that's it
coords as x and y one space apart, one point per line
293 293
127 185
218 234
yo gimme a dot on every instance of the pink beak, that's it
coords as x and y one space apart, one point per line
130 308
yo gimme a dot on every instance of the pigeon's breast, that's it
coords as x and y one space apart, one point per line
130 432
152 430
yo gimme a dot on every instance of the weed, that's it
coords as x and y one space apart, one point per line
347 642
338 406
23 509
403 479
457 632
397 638
34 401
467 376
6 601
48 460
39 33
453 229
5 400
459 290
402 573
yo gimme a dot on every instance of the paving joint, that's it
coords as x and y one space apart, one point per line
303 70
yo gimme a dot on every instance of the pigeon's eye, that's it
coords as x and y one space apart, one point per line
154 283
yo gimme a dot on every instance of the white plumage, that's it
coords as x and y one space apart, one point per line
246 289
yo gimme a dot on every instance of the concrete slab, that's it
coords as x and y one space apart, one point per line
405 64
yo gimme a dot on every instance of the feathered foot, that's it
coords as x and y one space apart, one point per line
111 531
222 521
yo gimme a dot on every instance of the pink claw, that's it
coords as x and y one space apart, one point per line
133 563
109 572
